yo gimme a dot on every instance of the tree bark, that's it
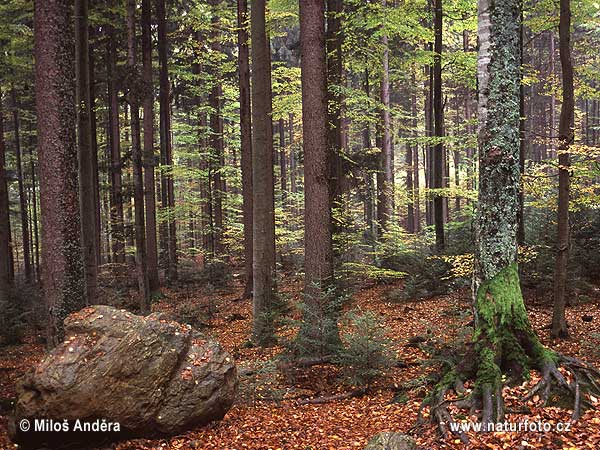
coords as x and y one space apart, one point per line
245 139
136 162
385 197
116 179
566 138
505 342
94 147
263 332
293 185
319 328
21 185
438 118
333 42
149 158
169 230
85 152
282 160
218 147
5 278
62 266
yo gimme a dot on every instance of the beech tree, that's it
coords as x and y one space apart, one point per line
245 139
505 344
62 267
566 137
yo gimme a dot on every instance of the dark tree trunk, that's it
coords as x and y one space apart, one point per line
368 176
438 118
116 179
5 278
319 328
21 184
94 146
136 162
149 159
334 40
566 138
385 191
282 160
34 203
218 147
415 162
521 212
293 163
263 332
85 152
245 138
62 266
169 231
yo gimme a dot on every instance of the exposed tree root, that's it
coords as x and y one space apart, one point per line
489 403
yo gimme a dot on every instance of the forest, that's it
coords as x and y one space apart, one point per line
299 224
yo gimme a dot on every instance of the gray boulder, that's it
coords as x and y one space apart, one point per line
391 441
152 376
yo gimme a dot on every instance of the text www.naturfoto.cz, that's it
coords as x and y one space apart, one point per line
498 427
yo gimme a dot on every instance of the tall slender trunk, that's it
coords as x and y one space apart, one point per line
21 184
385 197
415 161
428 153
438 118
245 138
522 142
333 42
217 145
85 152
116 179
136 162
34 203
5 278
369 200
149 159
94 150
282 159
293 186
319 328
62 266
168 232
566 138
263 332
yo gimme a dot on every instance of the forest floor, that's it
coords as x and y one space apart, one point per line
270 415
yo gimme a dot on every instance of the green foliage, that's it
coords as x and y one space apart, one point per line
21 311
366 351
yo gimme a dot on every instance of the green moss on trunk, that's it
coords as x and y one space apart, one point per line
506 344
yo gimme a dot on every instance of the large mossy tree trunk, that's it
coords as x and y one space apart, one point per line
504 340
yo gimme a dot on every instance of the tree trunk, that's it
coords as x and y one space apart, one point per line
415 162
245 139
34 202
566 138
319 331
334 41
438 119
94 151
21 184
505 343
293 186
263 332
168 231
116 179
385 197
521 212
5 278
85 152
149 159
136 162
282 160
217 145
62 266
